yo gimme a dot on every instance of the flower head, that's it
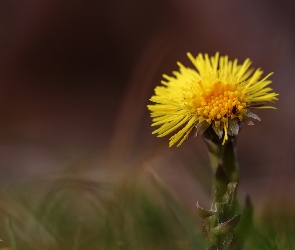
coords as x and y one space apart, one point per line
217 93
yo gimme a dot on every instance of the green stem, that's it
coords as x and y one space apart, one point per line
224 164
225 177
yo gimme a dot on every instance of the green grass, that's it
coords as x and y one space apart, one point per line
77 213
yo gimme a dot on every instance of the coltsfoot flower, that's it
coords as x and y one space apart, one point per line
217 93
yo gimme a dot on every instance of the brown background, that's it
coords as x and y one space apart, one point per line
76 76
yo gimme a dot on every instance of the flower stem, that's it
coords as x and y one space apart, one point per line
224 183
224 164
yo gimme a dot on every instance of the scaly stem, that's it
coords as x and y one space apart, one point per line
224 164
225 177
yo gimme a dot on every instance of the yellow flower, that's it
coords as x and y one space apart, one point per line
217 92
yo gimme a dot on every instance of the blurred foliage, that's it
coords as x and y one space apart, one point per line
72 212
77 213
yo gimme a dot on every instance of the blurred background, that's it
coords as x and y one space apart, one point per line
76 76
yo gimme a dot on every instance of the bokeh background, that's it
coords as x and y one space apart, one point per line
76 76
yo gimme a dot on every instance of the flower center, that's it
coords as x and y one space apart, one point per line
221 102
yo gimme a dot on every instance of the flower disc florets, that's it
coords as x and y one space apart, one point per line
218 92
